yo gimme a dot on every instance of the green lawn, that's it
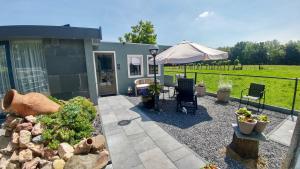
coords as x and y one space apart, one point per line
279 92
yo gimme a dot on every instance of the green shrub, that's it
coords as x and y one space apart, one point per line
71 123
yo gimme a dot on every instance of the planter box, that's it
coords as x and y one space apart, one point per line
223 95
201 90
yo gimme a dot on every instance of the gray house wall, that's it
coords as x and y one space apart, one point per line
66 68
121 51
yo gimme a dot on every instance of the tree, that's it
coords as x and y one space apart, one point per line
141 33
292 51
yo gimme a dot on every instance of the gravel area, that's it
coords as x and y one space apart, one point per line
209 131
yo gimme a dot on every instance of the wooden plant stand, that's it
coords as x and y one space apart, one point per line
246 146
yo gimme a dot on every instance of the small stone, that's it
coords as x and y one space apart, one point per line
14 157
37 149
25 138
44 162
3 162
37 139
9 149
37 129
67 156
1 155
11 165
31 164
15 123
58 164
25 155
31 119
54 158
47 166
24 126
98 143
64 148
15 138
49 153
8 133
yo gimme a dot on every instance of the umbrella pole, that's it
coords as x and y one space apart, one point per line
184 71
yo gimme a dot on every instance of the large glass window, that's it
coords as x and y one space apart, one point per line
4 77
29 66
135 66
150 67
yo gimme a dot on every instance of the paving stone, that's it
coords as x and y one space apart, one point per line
141 142
132 128
156 159
125 160
139 167
179 153
155 132
167 143
109 118
190 162
283 133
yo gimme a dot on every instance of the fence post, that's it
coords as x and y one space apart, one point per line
195 77
295 94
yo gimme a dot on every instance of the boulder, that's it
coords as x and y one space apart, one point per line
64 148
58 164
24 126
25 155
37 129
95 161
98 143
15 138
37 149
25 138
31 164
11 165
14 157
37 139
31 119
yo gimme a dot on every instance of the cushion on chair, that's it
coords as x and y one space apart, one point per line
251 97
142 85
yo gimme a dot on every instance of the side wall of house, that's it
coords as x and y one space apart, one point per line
122 50
66 68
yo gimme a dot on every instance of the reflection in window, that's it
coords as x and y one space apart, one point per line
4 77
135 65
150 67
29 66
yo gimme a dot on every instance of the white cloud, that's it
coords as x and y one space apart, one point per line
205 14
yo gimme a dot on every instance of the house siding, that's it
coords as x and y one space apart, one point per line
66 68
121 51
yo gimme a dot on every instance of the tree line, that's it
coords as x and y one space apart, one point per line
269 52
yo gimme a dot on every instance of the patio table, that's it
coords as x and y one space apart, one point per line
246 146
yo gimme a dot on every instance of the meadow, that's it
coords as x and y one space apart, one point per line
279 92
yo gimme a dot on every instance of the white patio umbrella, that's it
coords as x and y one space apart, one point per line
188 52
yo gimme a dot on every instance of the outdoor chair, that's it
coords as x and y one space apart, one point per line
169 83
186 93
256 92
143 83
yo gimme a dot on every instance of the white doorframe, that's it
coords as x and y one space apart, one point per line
115 63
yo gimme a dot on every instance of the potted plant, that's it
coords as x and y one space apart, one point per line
148 95
210 166
262 121
242 111
246 123
200 88
224 90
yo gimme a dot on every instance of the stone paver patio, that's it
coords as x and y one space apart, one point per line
137 142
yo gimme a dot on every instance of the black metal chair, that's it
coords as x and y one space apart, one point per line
186 93
256 92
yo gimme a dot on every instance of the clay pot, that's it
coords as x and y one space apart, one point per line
223 95
201 90
28 104
246 127
83 147
260 126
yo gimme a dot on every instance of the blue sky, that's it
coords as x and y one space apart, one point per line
210 22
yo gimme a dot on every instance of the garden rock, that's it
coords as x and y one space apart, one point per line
15 138
98 142
95 161
37 149
64 148
59 164
25 138
37 129
47 166
49 153
37 139
1 155
11 165
9 149
25 155
14 157
24 126
31 119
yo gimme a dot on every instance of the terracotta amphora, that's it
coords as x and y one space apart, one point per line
29 104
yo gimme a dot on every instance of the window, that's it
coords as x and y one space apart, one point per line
135 66
150 67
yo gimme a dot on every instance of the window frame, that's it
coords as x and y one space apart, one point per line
128 66
148 71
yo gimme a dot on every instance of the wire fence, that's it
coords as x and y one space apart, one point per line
280 92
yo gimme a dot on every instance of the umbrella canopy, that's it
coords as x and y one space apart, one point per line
188 52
